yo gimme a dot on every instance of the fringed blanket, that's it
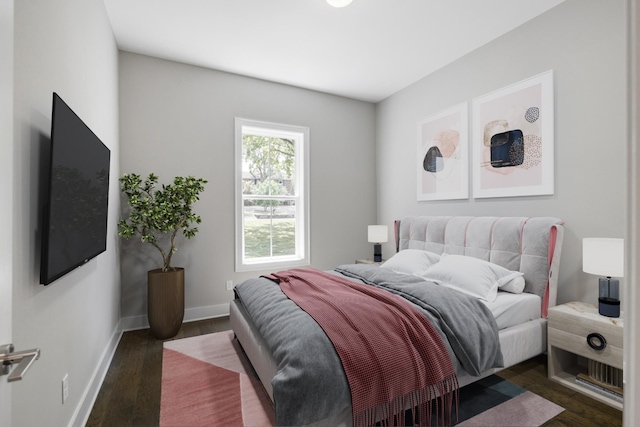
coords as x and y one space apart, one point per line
379 338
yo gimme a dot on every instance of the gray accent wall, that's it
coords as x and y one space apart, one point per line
585 43
178 119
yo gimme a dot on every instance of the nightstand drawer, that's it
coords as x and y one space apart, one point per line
582 327
583 319
611 355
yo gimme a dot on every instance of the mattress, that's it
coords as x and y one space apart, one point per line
513 309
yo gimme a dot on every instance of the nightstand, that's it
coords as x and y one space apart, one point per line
585 351
369 261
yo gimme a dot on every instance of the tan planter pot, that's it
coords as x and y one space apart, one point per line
165 302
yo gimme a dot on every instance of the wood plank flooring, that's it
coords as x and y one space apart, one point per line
130 394
580 410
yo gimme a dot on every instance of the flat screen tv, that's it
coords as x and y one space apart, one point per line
75 214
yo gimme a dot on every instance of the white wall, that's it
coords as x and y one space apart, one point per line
584 42
64 46
178 119
6 178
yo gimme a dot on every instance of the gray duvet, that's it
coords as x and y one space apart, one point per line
310 384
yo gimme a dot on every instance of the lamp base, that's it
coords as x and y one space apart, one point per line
377 252
609 307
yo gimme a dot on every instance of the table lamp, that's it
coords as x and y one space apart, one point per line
605 257
378 234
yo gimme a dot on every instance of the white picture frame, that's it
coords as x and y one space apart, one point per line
443 155
513 140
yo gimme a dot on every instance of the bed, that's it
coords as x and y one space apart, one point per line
529 248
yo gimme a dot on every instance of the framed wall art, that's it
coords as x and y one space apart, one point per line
513 140
443 155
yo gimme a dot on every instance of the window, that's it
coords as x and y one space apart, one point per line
272 197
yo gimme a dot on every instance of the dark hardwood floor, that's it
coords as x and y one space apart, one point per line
130 394
580 410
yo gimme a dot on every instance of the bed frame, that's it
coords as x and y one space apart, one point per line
528 244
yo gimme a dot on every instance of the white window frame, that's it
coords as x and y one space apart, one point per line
301 197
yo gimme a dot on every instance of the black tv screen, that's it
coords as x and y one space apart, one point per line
75 215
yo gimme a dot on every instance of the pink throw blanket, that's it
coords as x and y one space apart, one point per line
391 354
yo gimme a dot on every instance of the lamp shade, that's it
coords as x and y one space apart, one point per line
378 233
603 256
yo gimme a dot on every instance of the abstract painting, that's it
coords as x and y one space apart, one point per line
443 155
513 140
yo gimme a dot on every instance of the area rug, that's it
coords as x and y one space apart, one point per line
207 381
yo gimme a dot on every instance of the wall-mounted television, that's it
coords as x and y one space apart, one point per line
74 218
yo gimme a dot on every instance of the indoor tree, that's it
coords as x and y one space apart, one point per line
157 212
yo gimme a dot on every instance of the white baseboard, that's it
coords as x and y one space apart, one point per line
133 323
83 410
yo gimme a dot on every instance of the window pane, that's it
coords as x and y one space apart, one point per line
284 229
269 228
268 165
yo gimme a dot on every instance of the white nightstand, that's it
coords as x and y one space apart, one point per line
570 355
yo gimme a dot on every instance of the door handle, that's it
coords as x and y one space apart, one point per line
24 359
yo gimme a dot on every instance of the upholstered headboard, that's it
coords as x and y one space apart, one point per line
531 245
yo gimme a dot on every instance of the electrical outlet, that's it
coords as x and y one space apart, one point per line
229 284
65 387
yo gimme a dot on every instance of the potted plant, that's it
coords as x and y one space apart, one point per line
157 215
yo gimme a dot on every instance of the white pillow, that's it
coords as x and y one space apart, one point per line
472 276
515 285
408 261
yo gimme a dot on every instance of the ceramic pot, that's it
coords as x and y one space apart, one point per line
165 311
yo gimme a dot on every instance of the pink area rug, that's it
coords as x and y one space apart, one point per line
207 381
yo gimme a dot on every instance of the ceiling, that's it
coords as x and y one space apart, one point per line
367 50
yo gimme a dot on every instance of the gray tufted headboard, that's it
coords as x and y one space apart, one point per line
531 245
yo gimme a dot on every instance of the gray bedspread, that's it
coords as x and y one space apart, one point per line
310 384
